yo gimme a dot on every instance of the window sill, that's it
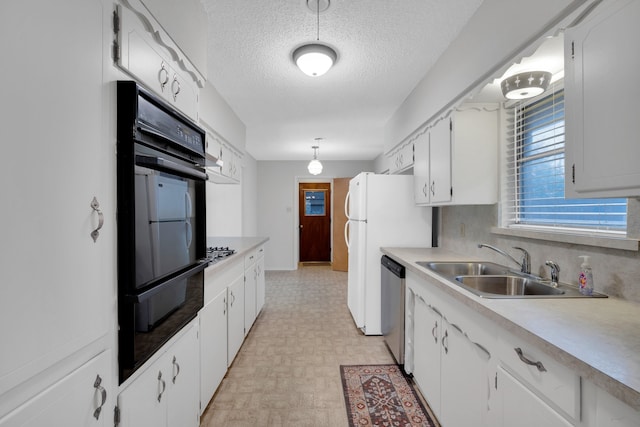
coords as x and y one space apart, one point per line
601 241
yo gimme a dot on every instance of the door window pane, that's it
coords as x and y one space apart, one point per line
314 203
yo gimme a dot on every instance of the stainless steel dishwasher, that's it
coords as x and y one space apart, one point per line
392 281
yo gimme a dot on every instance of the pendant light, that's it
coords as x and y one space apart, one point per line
315 59
315 167
525 84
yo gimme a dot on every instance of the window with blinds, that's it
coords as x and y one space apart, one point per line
535 174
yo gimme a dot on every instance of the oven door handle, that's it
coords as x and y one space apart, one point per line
142 296
161 163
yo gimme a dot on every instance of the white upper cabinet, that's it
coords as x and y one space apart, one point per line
146 52
58 284
456 158
602 109
401 158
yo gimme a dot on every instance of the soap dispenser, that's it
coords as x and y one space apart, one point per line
585 279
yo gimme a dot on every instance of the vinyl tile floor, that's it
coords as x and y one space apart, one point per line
287 372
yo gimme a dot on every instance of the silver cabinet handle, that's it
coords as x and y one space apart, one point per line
434 332
164 385
445 338
175 87
177 369
103 393
433 188
537 364
224 306
96 208
163 76
233 300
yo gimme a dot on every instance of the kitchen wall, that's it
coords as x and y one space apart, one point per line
277 204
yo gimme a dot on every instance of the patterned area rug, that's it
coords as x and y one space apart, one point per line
381 395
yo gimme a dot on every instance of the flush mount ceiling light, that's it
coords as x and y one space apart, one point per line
315 59
525 84
315 167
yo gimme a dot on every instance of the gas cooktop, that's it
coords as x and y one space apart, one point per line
216 253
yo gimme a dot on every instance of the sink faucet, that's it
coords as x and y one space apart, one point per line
525 263
555 273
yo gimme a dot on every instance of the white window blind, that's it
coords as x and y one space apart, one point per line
534 176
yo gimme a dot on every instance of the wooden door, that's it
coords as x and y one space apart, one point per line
340 260
314 201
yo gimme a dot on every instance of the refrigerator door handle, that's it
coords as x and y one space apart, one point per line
346 237
346 207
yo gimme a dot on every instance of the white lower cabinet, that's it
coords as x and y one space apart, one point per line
451 358
250 290
213 347
235 318
426 350
519 406
260 280
80 399
557 387
167 392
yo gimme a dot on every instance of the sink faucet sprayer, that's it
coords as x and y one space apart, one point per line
525 263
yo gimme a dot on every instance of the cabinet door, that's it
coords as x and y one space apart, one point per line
250 295
465 379
151 63
56 116
421 187
522 408
602 109
79 399
235 318
426 353
213 347
182 362
260 282
440 161
144 402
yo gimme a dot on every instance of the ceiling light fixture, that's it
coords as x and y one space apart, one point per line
525 84
315 167
315 59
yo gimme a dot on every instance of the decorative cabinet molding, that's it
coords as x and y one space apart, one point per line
147 53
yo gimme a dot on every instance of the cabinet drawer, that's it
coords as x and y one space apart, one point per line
558 385
250 259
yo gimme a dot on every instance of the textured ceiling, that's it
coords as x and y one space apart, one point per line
384 49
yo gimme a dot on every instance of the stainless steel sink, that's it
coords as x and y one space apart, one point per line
453 269
513 286
490 280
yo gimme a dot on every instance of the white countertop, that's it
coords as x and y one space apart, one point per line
242 245
598 338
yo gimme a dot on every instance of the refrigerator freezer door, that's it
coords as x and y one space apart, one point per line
356 275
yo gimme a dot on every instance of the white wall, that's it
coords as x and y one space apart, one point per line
249 196
277 199
217 114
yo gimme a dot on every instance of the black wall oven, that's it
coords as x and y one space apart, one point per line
161 223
